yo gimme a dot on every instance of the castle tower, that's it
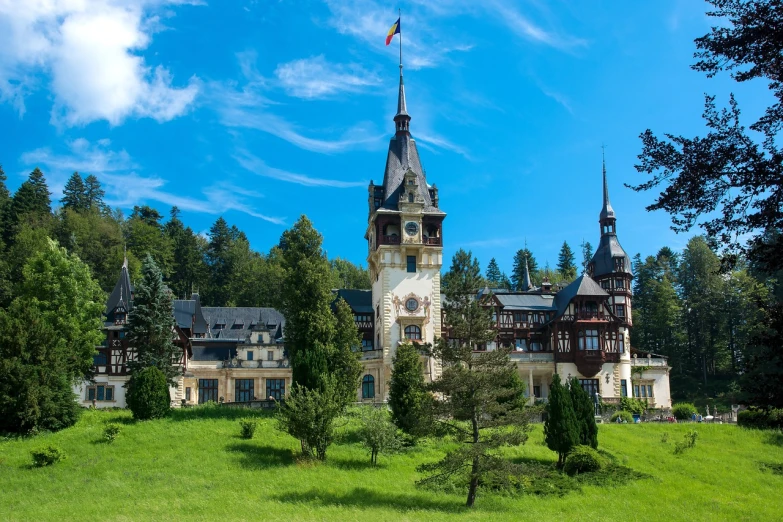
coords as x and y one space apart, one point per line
405 253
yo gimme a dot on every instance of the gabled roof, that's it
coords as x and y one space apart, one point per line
526 301
122 295
582 285
188 313
360 301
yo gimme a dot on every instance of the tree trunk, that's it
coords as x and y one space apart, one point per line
474 472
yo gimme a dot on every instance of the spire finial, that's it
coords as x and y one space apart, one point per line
606 186
401 119
607 212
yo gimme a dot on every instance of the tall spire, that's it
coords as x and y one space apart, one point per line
607 211
402 118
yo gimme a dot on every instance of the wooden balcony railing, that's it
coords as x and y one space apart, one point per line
391 240
431 241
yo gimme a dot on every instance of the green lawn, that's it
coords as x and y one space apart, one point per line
197 468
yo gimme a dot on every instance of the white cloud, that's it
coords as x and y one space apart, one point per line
316 78
91 51
506 13
125 187
257 166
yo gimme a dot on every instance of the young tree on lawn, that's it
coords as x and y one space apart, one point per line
309 416
482 393
584 410
561 431
407 392
151 324
377 433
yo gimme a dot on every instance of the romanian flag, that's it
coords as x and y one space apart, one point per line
395 29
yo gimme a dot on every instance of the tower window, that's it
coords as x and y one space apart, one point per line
410 197
413 333
368 387
412 264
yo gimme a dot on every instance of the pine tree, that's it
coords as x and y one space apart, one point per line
189 271
587 254
75 194
151 323
5 195
406 389
344 360
494 277
565 262
584 410
518 272
483 389
145 235
221 270
30 205
561 431
94 194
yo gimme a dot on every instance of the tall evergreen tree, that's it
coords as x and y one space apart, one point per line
145 235
481 389
762 379
75 194
565 262
518 271
189 270
344 358
94 194
561 431
30 205
151 324
221 238
584 411
493 275
587 254
407 392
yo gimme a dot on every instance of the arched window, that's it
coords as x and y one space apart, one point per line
368 387
413 333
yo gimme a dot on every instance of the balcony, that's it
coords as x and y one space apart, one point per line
589 315
533 357
390 240
434 241
655 363
369 355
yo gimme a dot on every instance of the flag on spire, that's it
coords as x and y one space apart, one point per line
395 29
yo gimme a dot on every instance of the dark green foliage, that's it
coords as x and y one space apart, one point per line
145 236
247 428
407 394
518 271
93 195
75 194
309 415
30 205
587 254
343 361
760 419
688 442
626 416
633 405
47 456
683 411
483 395
583 459
584 409
151 324
189 271
561 429
377 433
762 381
493 275
148 394
111 431
347 275
565 262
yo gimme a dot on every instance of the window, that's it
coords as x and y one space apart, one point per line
99 359
410 197
588 340
621 343
243 390
619 284
100 392
368 387
249 356
520 317
520 344
643 391
207 390
535 346
412 264
187 394
366 345
649 391
377 202
378 311
412 304
619 310
537 392
590 386
623 388
270 355
275 388
413 333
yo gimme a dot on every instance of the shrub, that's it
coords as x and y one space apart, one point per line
760 419
248 428
683 410
624 415
632 405
110 432
583 459
689 441
407 396
377 432
665 437
148 394
47 456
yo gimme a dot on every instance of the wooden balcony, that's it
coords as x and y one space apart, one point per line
390 240
434 241
586 316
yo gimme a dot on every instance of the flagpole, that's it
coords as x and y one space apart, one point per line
399 11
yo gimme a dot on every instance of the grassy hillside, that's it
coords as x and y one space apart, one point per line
194 466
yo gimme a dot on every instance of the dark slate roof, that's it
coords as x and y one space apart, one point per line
603 260
360 301
188 313
122 295
402 157
527 301
238 322
582 285
606 211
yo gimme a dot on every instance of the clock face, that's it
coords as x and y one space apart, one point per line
412 304
411 228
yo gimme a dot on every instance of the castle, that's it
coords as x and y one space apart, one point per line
238 354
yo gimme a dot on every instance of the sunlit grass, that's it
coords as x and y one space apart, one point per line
195 466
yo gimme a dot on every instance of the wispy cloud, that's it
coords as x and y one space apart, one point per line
91 50
257 166
559 98
126 188
433 142
316 78
508 14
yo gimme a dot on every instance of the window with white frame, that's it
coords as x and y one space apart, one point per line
100 392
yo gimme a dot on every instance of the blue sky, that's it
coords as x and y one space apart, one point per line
261 111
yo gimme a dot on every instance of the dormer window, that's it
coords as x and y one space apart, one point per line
410 197
619 264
